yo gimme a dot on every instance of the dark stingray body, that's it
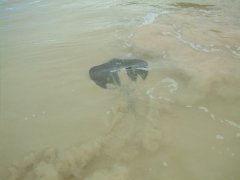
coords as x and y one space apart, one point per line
107 73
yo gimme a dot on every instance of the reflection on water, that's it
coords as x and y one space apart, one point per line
182 122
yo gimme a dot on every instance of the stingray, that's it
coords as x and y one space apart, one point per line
107 73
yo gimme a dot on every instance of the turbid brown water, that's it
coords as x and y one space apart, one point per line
181 123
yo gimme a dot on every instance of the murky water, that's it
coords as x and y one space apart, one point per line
182 122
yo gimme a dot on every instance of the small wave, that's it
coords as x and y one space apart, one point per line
171 84
149 18
234 124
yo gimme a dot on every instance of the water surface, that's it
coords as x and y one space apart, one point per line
181 123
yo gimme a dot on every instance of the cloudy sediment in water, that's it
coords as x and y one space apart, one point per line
182 122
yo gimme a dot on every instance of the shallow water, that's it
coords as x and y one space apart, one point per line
181 123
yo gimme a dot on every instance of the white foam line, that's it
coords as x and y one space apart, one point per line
163 12
197 47
166 33
149 93
151 96
165 164
213 116
235 53
171 84
130 35
205 50
220 137
149 18
166 99
203 108
232 123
